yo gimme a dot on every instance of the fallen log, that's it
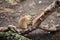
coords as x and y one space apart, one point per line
40 18
10 27
48 11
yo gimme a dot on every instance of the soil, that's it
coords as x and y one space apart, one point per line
33 8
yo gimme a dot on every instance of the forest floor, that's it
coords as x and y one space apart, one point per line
10 14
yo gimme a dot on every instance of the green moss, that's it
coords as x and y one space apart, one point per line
1 34
15 36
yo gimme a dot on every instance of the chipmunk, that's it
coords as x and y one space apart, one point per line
24 21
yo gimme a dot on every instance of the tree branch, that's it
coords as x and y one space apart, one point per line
40 18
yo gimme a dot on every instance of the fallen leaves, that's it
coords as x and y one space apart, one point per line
12 2
3 9
32 4
58 14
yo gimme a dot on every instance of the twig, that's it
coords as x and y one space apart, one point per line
3 29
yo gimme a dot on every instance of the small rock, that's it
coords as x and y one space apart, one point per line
40 2
58 15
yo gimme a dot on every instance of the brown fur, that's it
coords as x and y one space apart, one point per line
24 21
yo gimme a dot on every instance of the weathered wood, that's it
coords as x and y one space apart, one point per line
49 10
40 18
2 29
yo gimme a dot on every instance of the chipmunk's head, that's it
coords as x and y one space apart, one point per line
28 19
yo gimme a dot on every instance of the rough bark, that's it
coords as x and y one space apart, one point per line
49 10
40 18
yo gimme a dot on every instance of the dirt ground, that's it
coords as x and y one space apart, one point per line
33 8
